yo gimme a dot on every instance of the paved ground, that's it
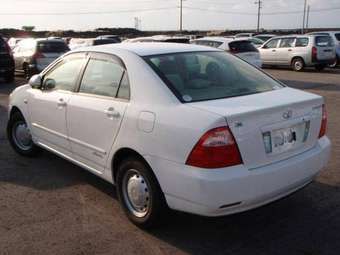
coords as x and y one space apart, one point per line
49 206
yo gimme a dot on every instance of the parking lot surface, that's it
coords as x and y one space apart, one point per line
50 206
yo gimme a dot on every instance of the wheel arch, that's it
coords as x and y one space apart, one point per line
14 110
297 57
122 154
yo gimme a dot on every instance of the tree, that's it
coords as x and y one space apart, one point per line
28 28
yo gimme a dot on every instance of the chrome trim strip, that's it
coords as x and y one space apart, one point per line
69 158
49 130
89 146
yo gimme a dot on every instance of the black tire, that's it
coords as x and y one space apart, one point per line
155 198
298 64
29 149
9 77
27 72
335 64
320 67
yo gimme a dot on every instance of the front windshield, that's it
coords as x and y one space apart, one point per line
199 76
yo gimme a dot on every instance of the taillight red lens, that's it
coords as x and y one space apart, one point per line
323 127
314 54
216 149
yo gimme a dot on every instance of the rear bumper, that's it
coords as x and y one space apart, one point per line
218 192
324 62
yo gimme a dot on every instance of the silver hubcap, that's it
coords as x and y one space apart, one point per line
22 136
298 65
136 193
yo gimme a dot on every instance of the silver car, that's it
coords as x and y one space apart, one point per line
299 51
336 38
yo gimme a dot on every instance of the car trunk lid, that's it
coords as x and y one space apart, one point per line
286 119
325 47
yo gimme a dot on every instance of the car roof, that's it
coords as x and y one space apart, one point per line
266 35
215 39
323 32
223 39
147 49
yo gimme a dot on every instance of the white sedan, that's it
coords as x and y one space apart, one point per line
174 126
244 48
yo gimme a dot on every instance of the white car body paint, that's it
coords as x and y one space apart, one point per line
164 131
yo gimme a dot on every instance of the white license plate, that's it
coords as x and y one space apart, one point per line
282 140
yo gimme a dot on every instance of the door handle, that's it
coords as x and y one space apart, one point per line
273 50
290 50
61 102
112 113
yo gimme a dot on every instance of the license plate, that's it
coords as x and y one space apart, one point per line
282 140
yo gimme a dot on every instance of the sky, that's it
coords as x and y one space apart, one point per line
164 14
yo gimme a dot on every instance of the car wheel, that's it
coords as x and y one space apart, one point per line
9 77
27 72
298 64
320 67
336 62
139 193
20 137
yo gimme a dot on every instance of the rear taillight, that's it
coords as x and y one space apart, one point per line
217 148
323 127
314 54
38 55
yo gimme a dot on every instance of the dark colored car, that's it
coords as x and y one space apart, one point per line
6 61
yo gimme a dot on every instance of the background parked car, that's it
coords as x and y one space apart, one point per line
13 41
336 38
240 35
33 55
256 41
299 51
113 37
6 61
264 37
76 43
159 38
242 48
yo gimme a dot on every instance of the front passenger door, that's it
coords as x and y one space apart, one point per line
94 114
48 104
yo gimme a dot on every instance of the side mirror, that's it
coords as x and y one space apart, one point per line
49 84
35 81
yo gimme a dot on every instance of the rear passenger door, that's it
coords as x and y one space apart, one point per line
285 50
94 114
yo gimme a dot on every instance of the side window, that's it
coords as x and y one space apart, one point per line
65 75
302 42
124 89
101 77
287 42
271 44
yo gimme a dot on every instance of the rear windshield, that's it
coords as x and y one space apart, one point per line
323 41
104 41
214 44
337 36
178 40
242 46
52 47
199 76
